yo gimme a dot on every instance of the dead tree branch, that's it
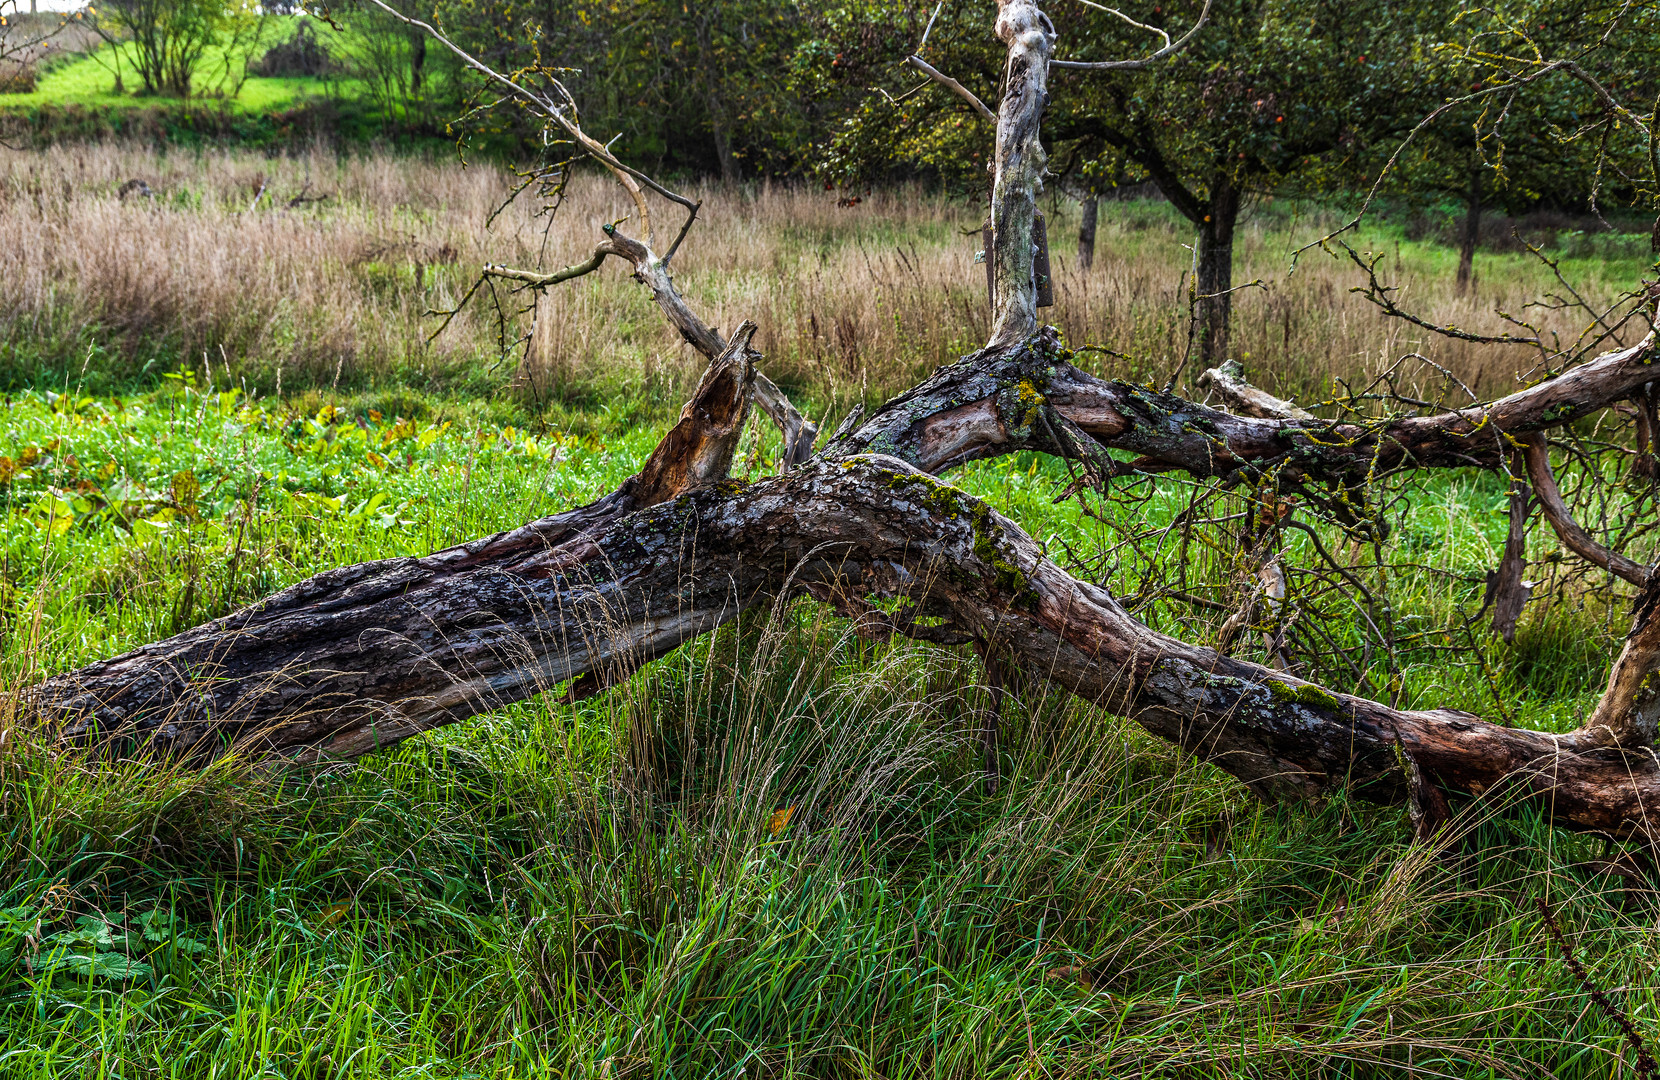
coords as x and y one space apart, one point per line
954 86
1170 48
1536 453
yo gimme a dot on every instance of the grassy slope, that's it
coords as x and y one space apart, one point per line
87 80
768 854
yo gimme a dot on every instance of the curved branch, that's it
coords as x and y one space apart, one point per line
954 86
535 280
1536 453
1170 48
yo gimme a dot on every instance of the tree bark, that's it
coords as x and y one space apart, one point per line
1020 161
1506 591
1213 276
1470 233
1086 230
360 658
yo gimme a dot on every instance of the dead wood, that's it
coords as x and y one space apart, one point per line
1228 381
364 656
1507 593
1536 453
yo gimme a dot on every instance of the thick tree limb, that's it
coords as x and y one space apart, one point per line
1629 713
996 402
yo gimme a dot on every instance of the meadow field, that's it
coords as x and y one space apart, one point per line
771 853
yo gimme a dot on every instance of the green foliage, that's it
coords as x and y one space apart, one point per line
168 38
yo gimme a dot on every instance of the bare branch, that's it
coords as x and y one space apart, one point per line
1171 48
535 280
954 86
1536 452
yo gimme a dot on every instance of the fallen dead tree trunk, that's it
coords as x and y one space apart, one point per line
364 656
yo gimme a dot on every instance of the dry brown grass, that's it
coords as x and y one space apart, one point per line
851 301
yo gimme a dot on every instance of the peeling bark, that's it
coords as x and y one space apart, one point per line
1020 162
1228 381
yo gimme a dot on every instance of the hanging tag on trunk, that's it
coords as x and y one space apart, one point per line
1040 263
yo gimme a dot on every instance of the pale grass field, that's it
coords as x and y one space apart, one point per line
852 302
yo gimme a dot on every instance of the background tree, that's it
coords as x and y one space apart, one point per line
393 63
25 38
168 37
1495 144
688 88
1270 92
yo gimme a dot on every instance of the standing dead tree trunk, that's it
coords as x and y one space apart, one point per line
1090 214
361 657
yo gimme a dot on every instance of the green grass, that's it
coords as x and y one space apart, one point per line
88 80
768 854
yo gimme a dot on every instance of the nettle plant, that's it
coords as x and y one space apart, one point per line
109 945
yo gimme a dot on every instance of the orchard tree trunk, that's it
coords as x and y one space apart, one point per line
417 63
1470 233
723 141
1086 230
719 128
1213 276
